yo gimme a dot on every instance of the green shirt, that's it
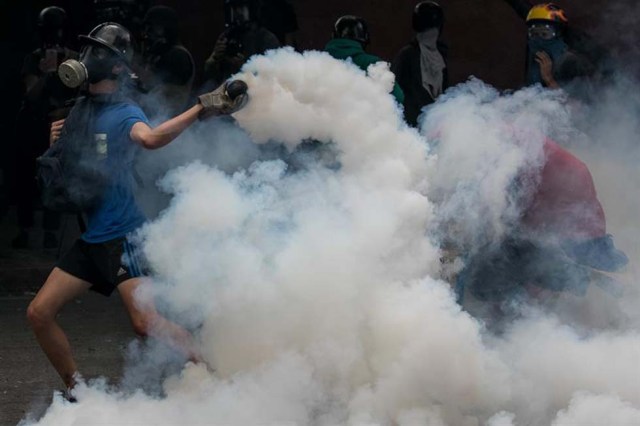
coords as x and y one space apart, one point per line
342 48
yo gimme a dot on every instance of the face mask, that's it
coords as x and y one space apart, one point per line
555 48
95 64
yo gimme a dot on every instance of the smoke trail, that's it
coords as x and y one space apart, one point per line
317 292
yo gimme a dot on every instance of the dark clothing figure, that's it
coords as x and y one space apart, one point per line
279 17
565 64
45 101
421 66
569 55
168 79
342 48
408 70
168 70
234 47
245 35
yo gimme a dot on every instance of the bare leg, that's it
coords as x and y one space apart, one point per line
59 289
146 321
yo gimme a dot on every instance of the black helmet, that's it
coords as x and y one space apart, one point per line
351 27
52 17
161 19
427 15
51 23
114 37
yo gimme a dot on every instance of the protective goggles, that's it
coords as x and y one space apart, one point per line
542 31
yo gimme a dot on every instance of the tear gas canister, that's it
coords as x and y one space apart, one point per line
236 88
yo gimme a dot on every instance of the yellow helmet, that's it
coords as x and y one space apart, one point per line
547 12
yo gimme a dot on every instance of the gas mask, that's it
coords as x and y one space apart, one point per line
95 64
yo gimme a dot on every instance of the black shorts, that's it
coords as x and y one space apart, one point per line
104 265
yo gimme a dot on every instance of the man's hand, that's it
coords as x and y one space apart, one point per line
546 69
230 97
56 130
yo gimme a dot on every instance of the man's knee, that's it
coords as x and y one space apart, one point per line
39 315
142 324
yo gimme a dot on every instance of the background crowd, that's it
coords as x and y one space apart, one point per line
147 81
185 49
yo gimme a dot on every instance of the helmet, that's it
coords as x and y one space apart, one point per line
114 37
427 15
351 27
160 25
52 17
547 12
51 23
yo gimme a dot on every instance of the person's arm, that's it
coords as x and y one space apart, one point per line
226 99
213 64
399 68
166 132
30 71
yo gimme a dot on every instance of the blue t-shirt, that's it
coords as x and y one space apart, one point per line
117 213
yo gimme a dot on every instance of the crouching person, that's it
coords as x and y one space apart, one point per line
95 147
559 244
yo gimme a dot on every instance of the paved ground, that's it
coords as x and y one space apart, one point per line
98 329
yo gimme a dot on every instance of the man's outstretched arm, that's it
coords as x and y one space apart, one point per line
226 99
157 137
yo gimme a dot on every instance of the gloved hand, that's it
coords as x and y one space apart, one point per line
230 97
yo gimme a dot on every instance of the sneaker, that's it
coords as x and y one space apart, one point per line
50 240
67 394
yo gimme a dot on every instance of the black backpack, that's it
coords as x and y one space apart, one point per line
70 173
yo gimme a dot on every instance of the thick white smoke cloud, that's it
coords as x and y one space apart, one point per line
483 142
318 291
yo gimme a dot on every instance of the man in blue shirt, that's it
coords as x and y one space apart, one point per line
105 258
